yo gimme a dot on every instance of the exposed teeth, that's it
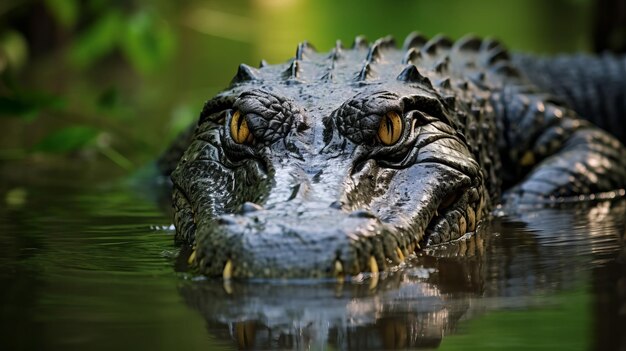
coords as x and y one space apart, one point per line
338 268
400 254
373 265
479 210
192 258
462 225
471 219
228 270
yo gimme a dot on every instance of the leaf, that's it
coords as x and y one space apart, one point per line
148 43
14 48
28 105
108 99
68 139
98 40
64 11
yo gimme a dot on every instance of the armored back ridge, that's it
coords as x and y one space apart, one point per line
338 163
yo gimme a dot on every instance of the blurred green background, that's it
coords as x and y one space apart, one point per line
96 84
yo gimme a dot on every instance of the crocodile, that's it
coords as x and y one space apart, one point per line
338 163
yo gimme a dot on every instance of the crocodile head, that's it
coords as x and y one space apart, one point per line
321 166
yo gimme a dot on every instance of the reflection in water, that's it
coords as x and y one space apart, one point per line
91 268
540 253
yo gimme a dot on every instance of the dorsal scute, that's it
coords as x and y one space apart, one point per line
469 42
245 73
374 53
294 71
415 40
439 41
410 74
441 66
412 56
365 73
302 49
360 42
431 62
386 42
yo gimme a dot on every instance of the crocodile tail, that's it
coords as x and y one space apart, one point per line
594 86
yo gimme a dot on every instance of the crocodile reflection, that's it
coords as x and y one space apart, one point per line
419 304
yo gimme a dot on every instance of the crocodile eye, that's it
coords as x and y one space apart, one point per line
239 130
390 128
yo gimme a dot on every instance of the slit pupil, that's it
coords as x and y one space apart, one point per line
240 121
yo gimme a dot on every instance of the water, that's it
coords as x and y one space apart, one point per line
88 266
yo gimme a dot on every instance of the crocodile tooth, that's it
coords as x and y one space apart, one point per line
373 265
471 219
228 270
192 258
400 254
373 282
338 268
462 225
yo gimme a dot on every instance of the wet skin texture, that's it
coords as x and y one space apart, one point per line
348 161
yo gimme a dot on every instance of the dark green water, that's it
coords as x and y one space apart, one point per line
94 267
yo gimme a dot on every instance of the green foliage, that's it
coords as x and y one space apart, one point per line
68 139
148 43
145 41
65 11
92 31
28 105
13 50
98 40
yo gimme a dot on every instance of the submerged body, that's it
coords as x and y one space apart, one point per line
348 161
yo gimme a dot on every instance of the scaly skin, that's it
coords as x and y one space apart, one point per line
314 191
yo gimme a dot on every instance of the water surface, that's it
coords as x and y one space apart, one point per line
94 266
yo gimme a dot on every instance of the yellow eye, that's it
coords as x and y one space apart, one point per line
390 128
239 129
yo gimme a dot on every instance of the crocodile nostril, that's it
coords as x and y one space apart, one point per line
361 214
226 220
337 205
249 207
